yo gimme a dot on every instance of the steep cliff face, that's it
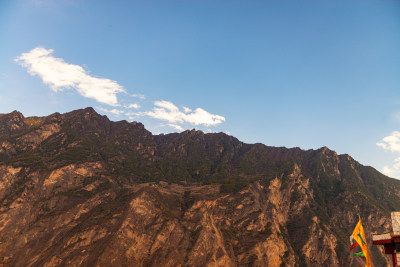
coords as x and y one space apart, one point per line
78 189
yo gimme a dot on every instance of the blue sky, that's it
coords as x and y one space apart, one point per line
284 73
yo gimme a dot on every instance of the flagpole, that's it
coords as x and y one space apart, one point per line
394 258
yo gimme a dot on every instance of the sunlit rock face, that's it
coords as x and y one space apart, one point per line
79 190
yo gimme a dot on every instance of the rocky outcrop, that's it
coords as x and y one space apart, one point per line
77 189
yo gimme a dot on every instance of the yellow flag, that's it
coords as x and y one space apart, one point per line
358 235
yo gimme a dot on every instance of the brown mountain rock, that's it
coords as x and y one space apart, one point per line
79 190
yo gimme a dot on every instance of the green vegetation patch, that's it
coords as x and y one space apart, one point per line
234 184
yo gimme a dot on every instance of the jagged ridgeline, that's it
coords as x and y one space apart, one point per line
79 189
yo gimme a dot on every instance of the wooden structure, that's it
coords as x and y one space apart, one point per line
390 241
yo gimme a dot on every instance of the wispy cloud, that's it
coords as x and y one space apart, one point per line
134 105
112 111
60 75
140 96
167 111
391 142
393 171
176 127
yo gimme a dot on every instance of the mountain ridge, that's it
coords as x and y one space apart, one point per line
210 198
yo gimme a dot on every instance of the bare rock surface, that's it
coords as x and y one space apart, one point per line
79 190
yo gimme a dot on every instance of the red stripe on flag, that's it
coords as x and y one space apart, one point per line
353 246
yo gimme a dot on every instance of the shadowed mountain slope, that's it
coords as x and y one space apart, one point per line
79 189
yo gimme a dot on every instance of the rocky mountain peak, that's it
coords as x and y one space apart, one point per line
79 189
12 122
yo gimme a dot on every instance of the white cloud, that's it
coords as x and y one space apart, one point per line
116 111
112 111
134 105
133 115
393 171
388 171
176 127
187 110
200 116
60 75
140 96
391 142
165 110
